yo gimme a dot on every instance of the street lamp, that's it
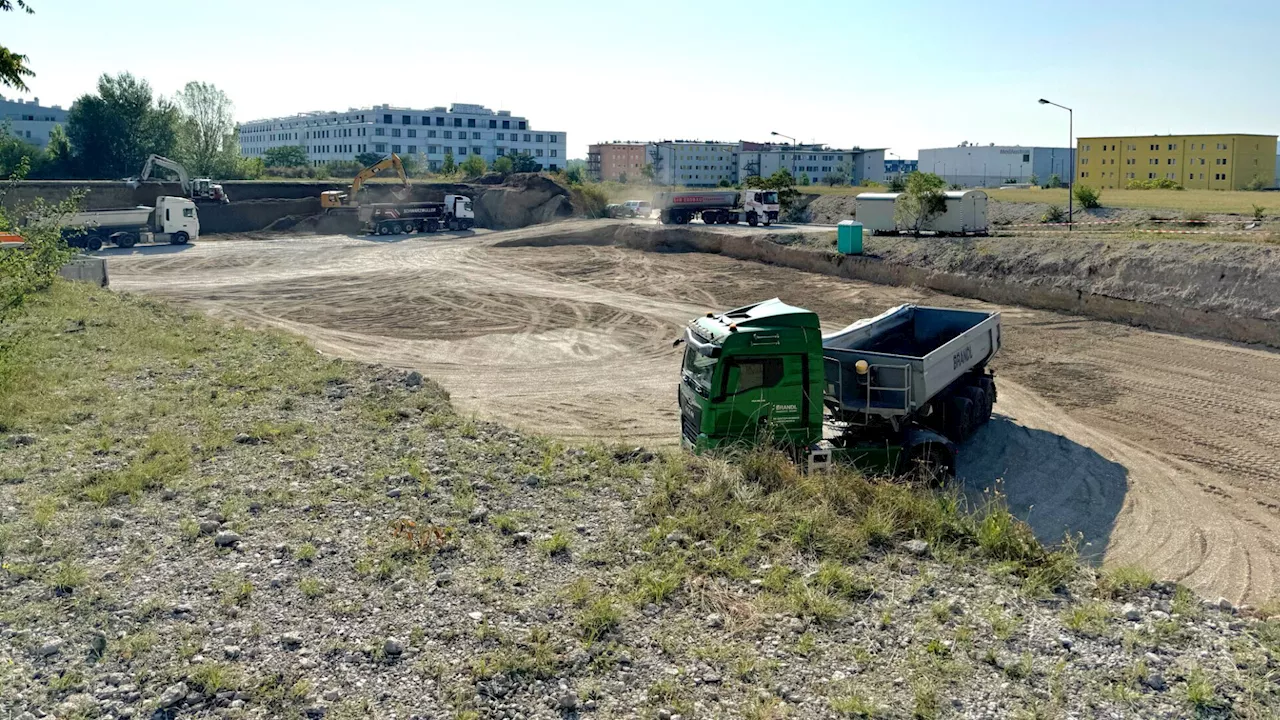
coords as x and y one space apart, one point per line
894 154
793 140
1071 146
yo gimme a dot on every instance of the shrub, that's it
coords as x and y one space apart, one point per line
502 165
473 166
1255 184
1054 181
1088 197
32 268
1155 184
1259 213
1054 214
589 200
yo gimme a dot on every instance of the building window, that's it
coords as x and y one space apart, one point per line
386 119
552 139
526 136
433 149
475 136
553 152
502 136
448 134
457 122
1173 146
1151 176
475 151
506 124
411 132
1026 157
395 132
471 122
501 151
395 149
439 121
426 120
431 133
493 123
462 151
524 125
379 131
1172 161
380 147
413 149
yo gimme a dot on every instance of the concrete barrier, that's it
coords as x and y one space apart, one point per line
86 269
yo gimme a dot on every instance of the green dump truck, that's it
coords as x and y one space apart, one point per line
893 393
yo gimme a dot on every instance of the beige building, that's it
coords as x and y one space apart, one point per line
1207 162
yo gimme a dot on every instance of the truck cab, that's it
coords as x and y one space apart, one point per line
176 220
763 204
752 372
458 212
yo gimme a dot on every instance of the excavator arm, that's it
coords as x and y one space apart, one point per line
390 161
168 164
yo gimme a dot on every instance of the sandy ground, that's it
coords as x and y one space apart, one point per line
1156 449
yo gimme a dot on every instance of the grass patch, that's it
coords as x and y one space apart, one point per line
1124 580
555 545
1088 618
598 619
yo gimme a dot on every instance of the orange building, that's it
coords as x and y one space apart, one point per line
613 161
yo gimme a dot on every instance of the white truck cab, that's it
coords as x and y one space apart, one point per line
175 220
760 204
458 212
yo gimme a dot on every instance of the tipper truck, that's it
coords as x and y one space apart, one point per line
893 393
751 206
173 220
454 213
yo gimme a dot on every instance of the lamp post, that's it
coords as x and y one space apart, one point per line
899 162
1071 146
793 140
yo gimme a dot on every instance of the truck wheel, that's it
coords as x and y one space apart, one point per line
979 407
93 243
179 238
959 417
452 224
988 385
752 220
928 464
384 229
125 240
433 225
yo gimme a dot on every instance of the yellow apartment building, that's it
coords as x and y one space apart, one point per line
1203 162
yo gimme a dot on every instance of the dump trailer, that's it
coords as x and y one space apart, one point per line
173 220
894 393
454 213
752 206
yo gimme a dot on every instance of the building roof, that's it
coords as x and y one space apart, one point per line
1121 137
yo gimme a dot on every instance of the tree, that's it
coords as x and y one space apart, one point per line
13 67
1088 197
840 175
1034 179
114 131
473 166
502 165
524 162
804 178
367 158
448 167
1055 181
782 181
575 174
922 201
17 156
647 172
59 148
285 156
208 127
622 178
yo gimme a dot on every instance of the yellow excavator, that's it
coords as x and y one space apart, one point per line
331 199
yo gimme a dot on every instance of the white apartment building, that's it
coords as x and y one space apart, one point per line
693 163
994 165
31 121
814 161
460 130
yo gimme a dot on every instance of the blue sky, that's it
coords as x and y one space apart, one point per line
899 74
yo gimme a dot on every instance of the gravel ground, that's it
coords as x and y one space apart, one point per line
215 522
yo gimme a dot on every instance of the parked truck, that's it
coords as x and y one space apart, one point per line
173 220
752 206
454 213
892 393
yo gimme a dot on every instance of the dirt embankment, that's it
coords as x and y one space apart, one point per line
1229 291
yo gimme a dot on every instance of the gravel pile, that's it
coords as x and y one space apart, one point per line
360 550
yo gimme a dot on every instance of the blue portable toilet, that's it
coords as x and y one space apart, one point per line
849 237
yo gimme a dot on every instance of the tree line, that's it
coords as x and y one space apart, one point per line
110 133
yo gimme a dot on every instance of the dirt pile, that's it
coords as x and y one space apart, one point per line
831 209
523 200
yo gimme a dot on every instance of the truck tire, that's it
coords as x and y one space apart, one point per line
92 243
179 238
979 408
452 224
959 419
988 385
433 225
752 219
384 229
125 240
927 464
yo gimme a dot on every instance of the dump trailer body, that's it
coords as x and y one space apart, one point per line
911 354
173 219
695 200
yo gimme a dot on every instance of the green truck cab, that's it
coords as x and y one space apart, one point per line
892 393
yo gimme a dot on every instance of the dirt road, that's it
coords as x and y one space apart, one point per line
1156 449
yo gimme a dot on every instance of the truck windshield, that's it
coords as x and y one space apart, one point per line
769 198
698 369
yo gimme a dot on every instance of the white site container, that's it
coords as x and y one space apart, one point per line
966 213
